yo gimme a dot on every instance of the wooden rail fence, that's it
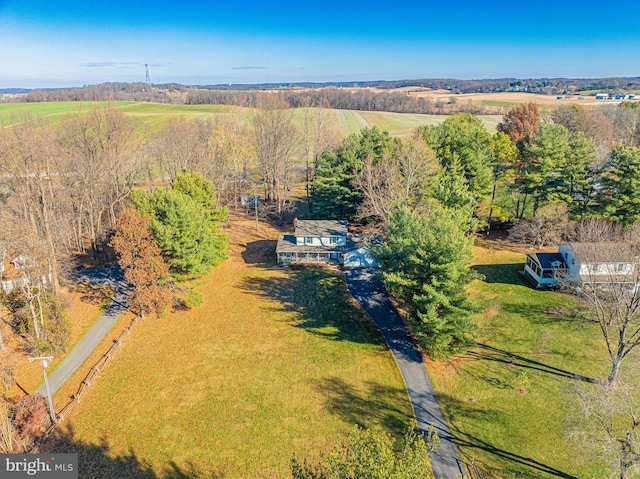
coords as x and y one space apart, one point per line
75 399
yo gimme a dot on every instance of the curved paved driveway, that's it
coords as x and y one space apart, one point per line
115 278
367 288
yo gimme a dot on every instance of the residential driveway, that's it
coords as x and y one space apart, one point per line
115 278
368 290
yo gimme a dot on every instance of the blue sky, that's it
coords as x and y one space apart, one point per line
45 43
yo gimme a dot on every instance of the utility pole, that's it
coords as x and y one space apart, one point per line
147 77
44 360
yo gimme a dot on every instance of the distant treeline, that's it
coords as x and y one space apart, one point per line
342 99
548 86
106 92
336 95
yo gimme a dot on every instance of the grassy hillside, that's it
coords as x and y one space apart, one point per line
13 112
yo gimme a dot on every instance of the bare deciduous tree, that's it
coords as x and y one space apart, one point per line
276 138
219 149
547 227
396 180
626 124
98 169
319 133
28 163
606 421
596 230
236 138
610 290
177 148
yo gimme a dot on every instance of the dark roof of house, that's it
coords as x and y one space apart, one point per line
603 252
287 244
545 260
321 228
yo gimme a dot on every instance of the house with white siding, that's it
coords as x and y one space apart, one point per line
584 264
322 241
314 241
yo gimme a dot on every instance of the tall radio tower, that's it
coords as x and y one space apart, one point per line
147 77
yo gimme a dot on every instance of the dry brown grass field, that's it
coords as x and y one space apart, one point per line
508 97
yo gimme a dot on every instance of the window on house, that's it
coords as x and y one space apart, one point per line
308 240
333 240
620 267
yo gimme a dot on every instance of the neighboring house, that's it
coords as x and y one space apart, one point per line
602 96
323 241
15 275
583 264
600 263
23 261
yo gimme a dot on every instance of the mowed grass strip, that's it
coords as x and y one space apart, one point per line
274 362
156 108
400 121
507 401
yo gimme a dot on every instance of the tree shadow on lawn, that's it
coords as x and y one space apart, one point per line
490 353
261 251
502 273
96 461
524 467
545 315
322 301
371 403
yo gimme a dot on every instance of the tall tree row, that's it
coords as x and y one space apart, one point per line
583 159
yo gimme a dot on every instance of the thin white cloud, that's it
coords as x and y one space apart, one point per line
108 64
248 68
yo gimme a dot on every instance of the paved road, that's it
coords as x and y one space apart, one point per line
367 288
114 277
